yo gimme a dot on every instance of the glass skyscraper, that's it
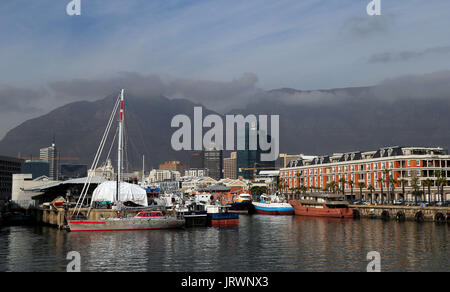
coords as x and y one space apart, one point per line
248 159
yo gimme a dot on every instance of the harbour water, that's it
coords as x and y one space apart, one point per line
260 243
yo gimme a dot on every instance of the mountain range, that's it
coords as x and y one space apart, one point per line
311 122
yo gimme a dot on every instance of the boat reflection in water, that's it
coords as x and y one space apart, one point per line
322 205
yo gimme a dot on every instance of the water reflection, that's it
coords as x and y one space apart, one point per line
260 243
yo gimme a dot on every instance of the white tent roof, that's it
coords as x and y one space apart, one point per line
128 193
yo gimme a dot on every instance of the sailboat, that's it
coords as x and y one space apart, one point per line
118 192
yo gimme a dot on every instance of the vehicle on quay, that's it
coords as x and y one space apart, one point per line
272 205
322 205
119 193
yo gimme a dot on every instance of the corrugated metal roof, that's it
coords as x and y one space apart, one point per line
77 181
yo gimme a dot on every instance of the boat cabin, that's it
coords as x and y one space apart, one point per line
150 214
330 201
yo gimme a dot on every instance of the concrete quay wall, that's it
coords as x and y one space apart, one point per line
402 213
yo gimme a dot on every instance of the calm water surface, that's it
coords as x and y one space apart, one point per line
260 243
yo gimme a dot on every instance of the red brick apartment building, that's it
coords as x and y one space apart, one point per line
398 172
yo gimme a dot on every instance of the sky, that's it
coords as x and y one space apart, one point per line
207 47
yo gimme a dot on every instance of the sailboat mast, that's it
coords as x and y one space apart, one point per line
143 169
120 147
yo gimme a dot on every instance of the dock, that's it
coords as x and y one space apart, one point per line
58 217
403 213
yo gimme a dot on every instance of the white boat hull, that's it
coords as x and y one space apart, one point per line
125 224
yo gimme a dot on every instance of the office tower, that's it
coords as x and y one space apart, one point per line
50 155
213 162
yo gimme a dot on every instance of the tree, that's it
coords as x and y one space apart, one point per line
441 182
361 186
351 184
380 180
258 190
333 186
393 182
371 190
403 182
387 180
415 187
428 183
343 181
299 175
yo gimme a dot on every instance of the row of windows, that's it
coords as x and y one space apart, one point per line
366 167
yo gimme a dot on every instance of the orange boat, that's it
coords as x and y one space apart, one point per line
322 205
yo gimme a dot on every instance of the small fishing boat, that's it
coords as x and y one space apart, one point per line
219 216
322 205
242 205
194 214
273 205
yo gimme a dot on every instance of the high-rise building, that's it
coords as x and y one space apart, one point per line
196 160
69 171
8 167
230 166
213 161
36 168
50 155
249 160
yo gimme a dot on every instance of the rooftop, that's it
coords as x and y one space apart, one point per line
358 155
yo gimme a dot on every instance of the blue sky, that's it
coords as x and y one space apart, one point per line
303 44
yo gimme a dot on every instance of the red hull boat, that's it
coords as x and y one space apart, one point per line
320 205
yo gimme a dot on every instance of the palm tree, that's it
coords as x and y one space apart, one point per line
304 188
343 181
387 180
361 186
428 183
299 175
380 180
416 187
351 184
441 182
393 182
371 190
403 183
